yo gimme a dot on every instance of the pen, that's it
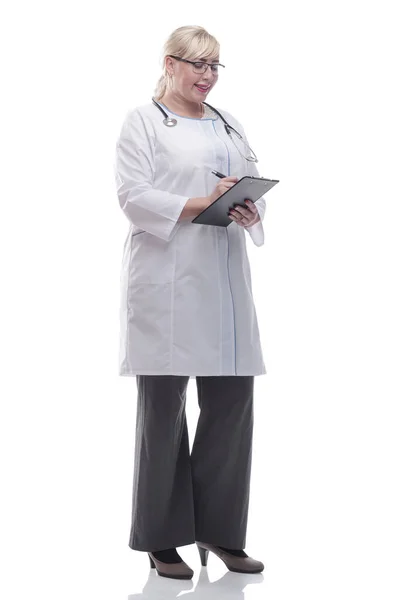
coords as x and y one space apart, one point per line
218 174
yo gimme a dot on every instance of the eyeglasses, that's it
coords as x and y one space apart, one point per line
199 67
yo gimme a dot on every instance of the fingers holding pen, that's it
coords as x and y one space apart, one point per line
247 215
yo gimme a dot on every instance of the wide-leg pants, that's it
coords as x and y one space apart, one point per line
179 498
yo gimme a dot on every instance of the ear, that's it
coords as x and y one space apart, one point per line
169 65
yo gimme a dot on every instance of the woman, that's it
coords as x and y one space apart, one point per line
187 312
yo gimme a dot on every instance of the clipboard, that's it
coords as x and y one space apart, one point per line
247 187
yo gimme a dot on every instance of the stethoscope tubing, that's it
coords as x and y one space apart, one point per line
227 126
169 122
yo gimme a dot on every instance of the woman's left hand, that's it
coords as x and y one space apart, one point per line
246 217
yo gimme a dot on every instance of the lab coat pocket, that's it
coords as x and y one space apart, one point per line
152 260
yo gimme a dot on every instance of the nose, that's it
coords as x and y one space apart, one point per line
207 79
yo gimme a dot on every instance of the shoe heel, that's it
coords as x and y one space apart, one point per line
203 555
152 565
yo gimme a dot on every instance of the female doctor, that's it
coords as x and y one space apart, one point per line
187 311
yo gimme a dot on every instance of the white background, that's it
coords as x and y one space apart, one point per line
315 85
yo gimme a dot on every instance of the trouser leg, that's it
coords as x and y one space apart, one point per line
162 500
221 460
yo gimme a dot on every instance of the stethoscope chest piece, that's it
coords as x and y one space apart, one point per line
170 122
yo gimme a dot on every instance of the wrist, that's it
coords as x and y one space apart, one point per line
193 207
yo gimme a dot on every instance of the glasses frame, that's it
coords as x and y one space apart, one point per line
194 62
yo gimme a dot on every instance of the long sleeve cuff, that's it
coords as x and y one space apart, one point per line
256 231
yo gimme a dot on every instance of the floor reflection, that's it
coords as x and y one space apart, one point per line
231 585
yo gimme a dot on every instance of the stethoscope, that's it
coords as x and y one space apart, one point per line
170 122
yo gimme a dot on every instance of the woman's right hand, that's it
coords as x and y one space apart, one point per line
222 186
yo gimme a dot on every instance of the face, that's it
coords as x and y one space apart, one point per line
185 79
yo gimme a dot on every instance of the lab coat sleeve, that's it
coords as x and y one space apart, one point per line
153 210
256 231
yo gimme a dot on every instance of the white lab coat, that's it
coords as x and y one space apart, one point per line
186 296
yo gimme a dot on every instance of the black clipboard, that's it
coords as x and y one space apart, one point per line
247 187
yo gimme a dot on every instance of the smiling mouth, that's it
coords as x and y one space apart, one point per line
202 89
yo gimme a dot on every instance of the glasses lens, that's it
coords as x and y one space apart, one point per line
200 67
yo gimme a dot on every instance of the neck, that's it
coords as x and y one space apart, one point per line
182 107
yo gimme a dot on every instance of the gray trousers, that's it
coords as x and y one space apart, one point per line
178 497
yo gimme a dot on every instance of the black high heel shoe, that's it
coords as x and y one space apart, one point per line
237 564
203 555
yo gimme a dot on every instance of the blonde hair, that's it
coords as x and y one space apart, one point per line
188 42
